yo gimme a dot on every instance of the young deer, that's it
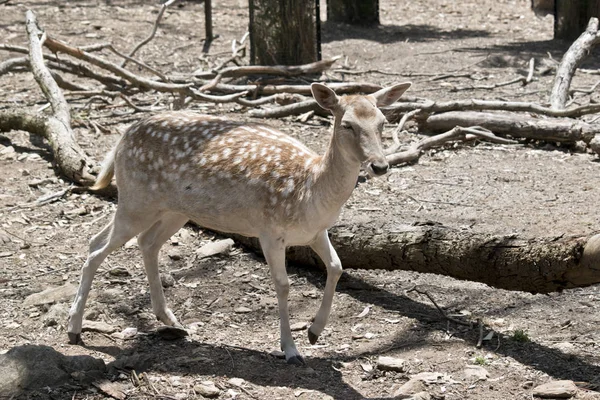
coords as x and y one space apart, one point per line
237 177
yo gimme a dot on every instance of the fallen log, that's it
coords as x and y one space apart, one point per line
540 265
69 157
518 126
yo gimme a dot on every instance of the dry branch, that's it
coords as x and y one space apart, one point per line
551 129
456 133
138 81
340 88
70 158
152 33
578 51
393 112
277 70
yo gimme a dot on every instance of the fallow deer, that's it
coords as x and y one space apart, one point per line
242 178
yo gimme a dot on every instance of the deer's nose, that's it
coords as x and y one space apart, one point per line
380 169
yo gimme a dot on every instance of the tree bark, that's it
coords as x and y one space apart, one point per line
537 265
520 126
572 16
284 32
355 12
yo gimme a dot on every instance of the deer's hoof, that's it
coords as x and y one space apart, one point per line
75 338
296 360
312 338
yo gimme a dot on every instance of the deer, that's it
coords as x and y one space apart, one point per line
236 177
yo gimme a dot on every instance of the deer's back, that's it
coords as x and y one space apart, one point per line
226 175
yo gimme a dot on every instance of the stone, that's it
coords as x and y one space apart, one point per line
171 332
51 295
299 326
391 364
167 280
30 367
56 315
125 334
119 271
207 389
242 310
97 326
409 388
556 390
214 248
238 382
475 373
138 362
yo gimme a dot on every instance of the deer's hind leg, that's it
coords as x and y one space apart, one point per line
125 225
150 242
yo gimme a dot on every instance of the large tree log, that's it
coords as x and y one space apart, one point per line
521 126
537 265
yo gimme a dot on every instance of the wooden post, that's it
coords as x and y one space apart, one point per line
284 32
356 12
572 16
208 20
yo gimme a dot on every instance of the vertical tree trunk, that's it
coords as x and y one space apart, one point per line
572 17
356 12
284 32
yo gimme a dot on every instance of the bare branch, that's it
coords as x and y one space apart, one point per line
141 82
578 51
151 36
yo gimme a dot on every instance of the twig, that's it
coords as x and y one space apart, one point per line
399 129
480 339
457 133
163 8
139 63
492 86
531 70
422 292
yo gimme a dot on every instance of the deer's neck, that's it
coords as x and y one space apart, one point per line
335 179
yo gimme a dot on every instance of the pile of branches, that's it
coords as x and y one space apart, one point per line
458 120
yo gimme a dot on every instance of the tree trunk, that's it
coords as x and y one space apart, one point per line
572 16
537 265
284 32
356 12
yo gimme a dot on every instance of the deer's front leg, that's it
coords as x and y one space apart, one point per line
322 246
274 250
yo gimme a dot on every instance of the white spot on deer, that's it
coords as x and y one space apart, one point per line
237 160
226 152
275 174
202 161
214 158
164 124
263 168
289 187
142 157
308 162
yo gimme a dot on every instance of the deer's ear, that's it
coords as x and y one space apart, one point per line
389 95
324 96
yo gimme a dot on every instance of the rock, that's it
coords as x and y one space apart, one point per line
420 396
51 295
242 310
175 254
125 334
556 390
207 389
171 332
214 248
475 373
56 315
409 388
167 280
31 367
113 389
97 326
119 271
138 362
391 364
429 377
131 243
238 382
299 326
110 295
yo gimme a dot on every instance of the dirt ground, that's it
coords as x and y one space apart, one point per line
536 189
